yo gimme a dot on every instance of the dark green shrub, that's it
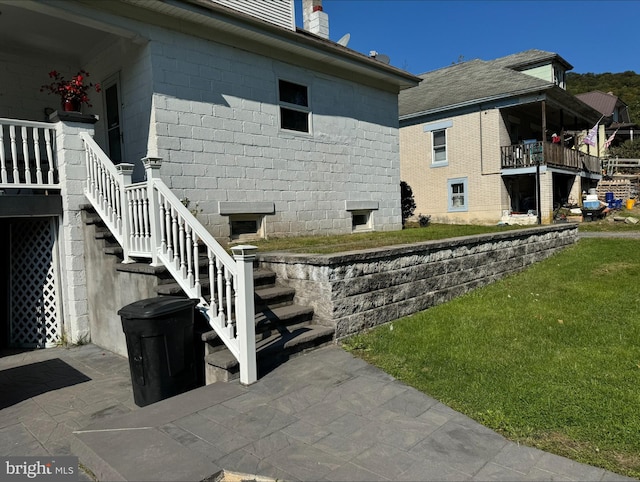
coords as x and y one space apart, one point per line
407 202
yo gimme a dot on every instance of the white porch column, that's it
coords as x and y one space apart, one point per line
245 313
73 177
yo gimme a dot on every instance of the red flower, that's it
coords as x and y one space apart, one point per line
71 90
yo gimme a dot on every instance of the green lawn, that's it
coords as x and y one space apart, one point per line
549 357
376 239
412 234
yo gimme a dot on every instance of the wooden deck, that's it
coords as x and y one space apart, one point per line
544 153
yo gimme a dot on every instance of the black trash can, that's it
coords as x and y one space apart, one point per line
160 345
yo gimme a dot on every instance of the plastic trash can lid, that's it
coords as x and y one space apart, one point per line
155 307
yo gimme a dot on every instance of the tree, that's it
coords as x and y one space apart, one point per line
407 202
628 150
625 85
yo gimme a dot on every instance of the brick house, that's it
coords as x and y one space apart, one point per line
259 127
476 140
616 117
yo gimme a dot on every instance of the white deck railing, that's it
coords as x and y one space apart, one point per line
149 221
27 157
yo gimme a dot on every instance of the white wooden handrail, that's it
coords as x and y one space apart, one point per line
195 225
149 221
104 189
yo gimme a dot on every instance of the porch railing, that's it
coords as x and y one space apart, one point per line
546 153
27 155
150 222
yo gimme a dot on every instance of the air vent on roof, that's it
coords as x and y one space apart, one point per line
380 57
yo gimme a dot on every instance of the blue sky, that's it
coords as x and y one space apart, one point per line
422 35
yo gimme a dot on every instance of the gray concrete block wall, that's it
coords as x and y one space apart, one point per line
109 290
216 127
359 290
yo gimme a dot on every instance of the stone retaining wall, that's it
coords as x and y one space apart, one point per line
361 289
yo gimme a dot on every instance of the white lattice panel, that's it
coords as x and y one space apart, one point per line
33 314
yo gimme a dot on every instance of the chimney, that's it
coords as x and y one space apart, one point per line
314 19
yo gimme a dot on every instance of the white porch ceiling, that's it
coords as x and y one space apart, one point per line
30 28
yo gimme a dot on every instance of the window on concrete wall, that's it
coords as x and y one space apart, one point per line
294 106
246 226
438 131
361 220
458 194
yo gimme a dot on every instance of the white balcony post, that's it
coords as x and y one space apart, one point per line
152 167
245 313
125 171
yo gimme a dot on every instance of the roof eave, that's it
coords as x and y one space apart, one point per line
298 42
474 102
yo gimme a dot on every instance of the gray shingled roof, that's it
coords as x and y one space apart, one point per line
464 84
530 57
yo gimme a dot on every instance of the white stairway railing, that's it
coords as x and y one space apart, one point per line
27 158
149 221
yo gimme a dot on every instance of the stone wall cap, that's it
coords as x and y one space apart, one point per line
405 249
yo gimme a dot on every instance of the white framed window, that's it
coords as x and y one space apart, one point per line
295 112
438 131
361 220
439 139
458 194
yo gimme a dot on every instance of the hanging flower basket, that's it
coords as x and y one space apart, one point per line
73 93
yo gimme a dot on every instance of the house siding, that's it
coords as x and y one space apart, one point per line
544 72
210 112
470 154
215 124
22 98
278 12
132 64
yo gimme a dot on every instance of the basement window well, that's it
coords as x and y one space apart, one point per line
361 214
361 221
246 219
246 226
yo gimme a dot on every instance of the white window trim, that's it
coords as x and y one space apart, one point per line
295 107
436 127
435 163
465 187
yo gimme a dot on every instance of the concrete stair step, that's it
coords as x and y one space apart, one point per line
271 351
273 296
263 277
268 321
265 295
114 250
92 217
283 315
102 232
